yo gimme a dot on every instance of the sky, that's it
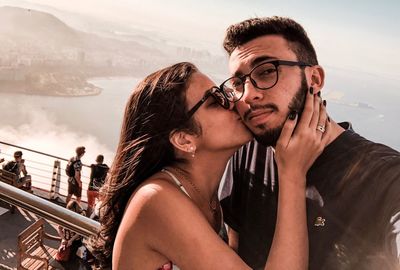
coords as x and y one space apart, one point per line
358 35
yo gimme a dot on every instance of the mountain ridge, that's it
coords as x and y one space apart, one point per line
40 29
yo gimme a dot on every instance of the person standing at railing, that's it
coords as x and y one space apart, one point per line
17 166
73 170
97 176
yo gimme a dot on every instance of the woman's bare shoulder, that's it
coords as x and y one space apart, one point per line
157 196
163 220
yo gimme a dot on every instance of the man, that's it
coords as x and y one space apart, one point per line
97 176
17 167
74 180
353 195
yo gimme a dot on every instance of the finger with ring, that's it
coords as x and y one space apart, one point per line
321 128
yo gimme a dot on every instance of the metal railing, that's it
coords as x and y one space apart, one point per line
38 152
49 211
48 174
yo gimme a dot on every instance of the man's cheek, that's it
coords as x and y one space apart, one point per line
241 108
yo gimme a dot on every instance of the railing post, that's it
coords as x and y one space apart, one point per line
55 180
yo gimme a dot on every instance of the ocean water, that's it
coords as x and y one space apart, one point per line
371 103
98 116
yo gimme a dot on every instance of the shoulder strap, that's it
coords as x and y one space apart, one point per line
177 182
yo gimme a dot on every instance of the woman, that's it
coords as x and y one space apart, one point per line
160 204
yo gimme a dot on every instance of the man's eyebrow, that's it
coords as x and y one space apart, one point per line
254 63
260 59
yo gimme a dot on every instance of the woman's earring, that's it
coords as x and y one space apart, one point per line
192 151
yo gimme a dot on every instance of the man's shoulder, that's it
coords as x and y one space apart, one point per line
371 158
77 160
76 163
11 162
385 157
375 150
354 143
105 166
9 165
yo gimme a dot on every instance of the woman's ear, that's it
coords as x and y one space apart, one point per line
182 141
317 78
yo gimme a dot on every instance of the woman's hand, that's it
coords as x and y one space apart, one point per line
299 145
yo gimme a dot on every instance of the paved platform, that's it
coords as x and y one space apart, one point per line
11 225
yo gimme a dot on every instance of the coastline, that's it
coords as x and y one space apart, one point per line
50 85
71 87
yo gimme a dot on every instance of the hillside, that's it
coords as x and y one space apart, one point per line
35 31
40 54
28 26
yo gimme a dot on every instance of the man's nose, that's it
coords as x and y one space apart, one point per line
251 93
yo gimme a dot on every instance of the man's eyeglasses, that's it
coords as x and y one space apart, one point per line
263 77
222 98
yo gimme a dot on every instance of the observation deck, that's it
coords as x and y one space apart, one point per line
46 200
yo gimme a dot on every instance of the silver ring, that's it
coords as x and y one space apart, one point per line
321 128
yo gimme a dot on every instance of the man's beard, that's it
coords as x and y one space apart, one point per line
271 135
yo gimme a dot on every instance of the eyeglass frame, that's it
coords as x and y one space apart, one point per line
276 64
210 92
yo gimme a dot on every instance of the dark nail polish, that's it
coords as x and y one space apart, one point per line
292 115
329 119
311 90
324 102
319 94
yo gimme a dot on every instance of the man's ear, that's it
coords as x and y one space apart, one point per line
317 78
183 141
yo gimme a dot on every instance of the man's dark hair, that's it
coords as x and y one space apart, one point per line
17 154
80 150
245 31
100 158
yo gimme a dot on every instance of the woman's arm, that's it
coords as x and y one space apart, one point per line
296 150
289 248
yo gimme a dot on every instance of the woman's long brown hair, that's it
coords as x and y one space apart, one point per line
156 107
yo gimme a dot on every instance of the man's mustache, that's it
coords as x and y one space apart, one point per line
258 107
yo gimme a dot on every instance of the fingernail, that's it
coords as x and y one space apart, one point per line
319 93
311 90
324 102
329 119
292 115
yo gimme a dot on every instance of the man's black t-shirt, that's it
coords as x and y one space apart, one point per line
97 176
12 167
353 205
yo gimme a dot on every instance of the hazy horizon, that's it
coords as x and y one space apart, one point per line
360 35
